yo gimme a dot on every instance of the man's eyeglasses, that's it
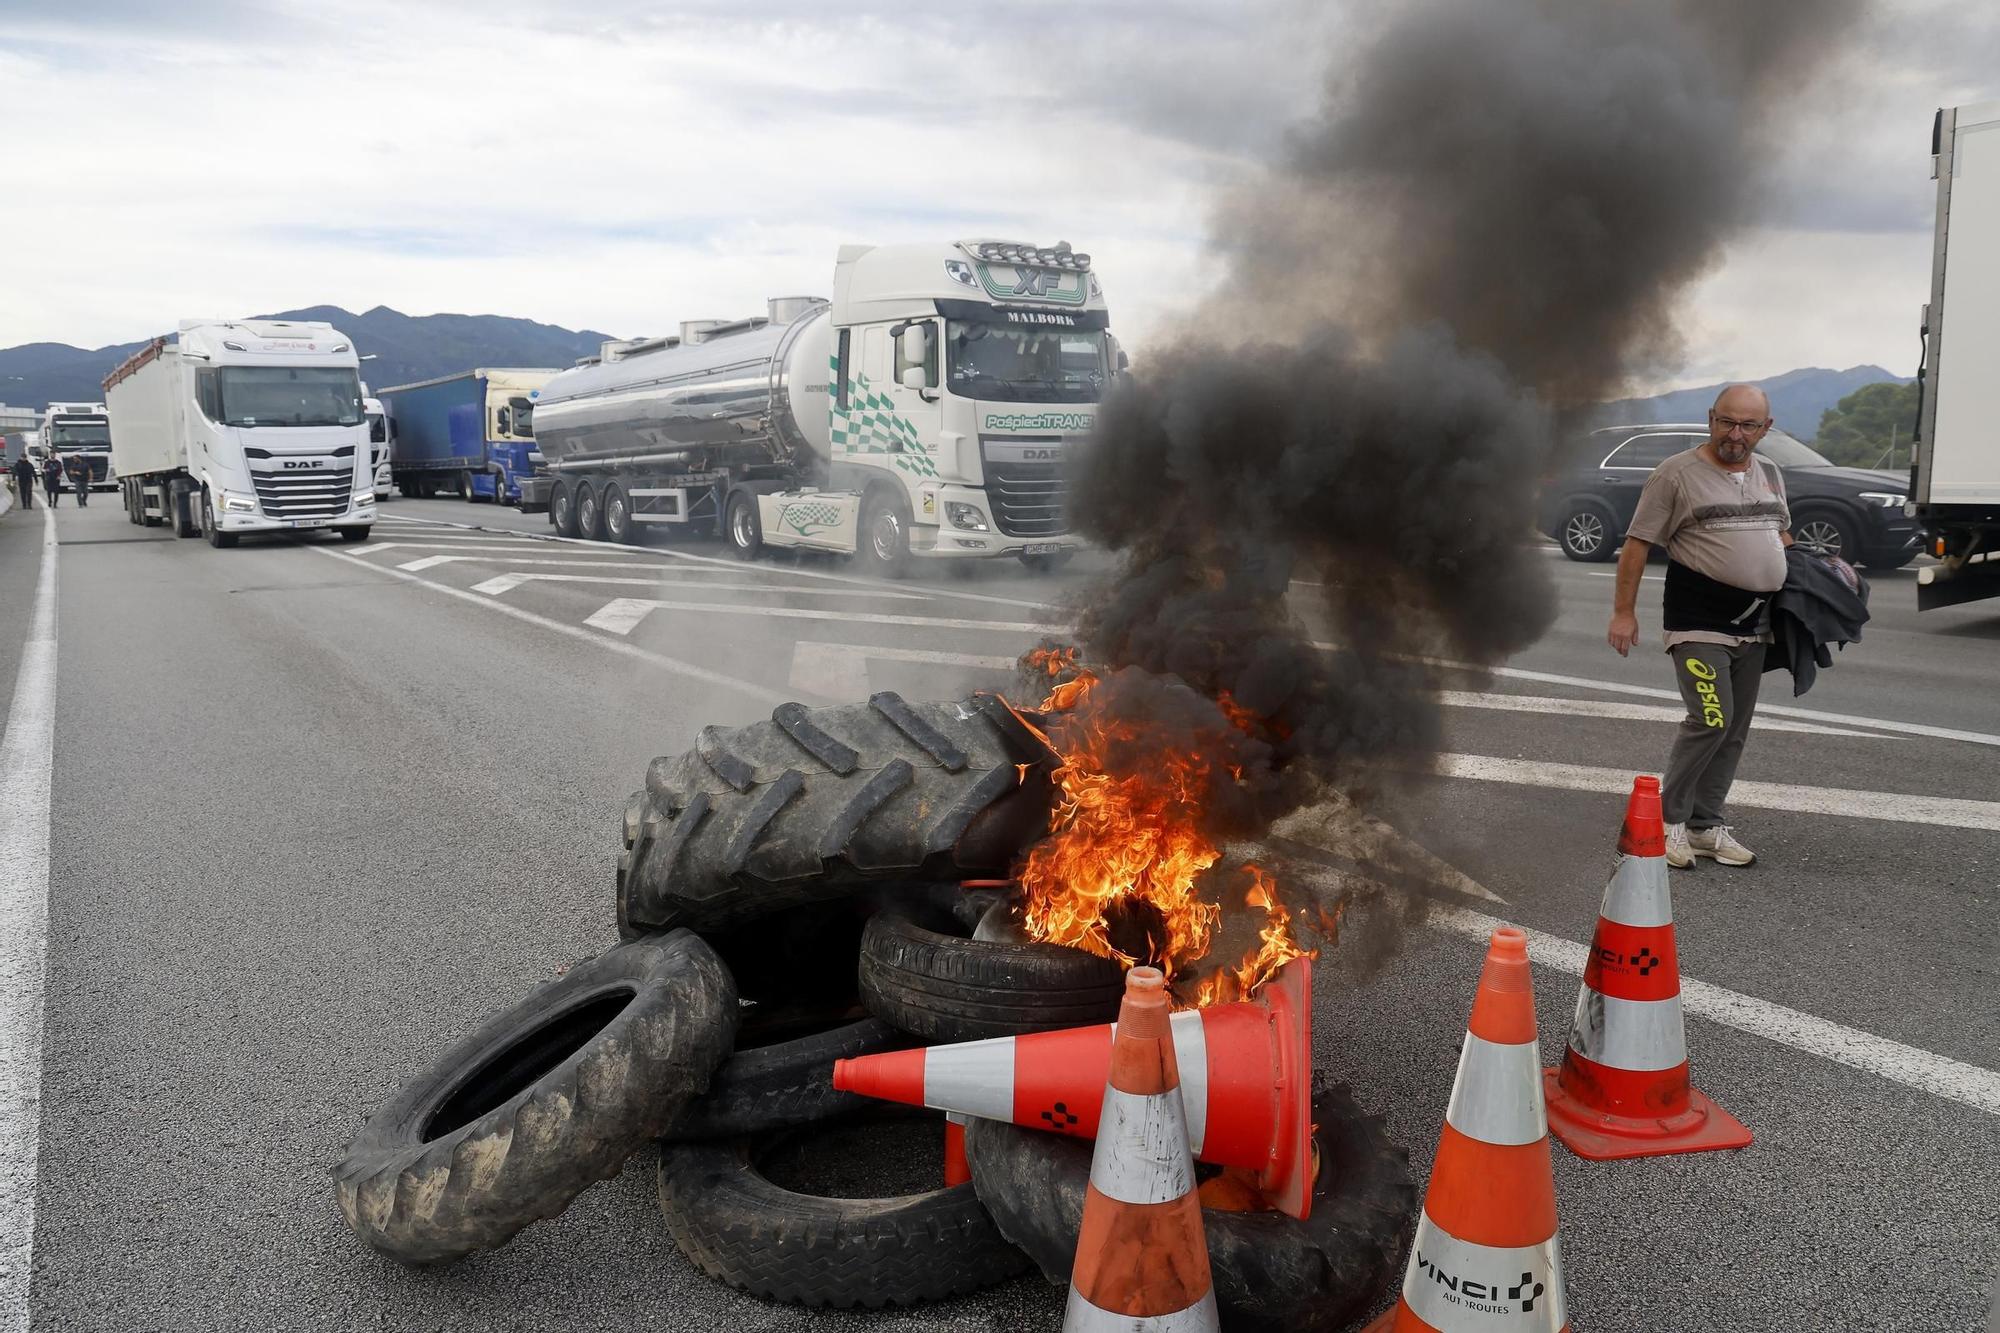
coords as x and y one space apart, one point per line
1728 424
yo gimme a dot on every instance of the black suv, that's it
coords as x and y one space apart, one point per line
1850 512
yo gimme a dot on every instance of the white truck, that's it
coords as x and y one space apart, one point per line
1955 481
250 426
923 413
80 429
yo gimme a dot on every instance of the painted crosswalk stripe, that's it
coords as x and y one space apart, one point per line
1542 703
505 583
1897 807
624 614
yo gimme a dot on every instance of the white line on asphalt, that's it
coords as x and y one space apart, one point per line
673 664
493 587
1938 1075
622 615
1612 574
664 573
841 669
1897 807
27 764
1773 710
1543 703
741 567
376 548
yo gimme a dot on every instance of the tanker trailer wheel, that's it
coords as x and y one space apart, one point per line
743 527
884 535
589 513
618 517
562 510
540 1101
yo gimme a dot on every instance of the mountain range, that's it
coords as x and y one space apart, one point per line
406 348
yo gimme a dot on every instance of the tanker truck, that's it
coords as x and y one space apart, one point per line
923 413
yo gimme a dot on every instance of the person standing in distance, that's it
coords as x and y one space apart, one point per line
52 476
1721 513
24 480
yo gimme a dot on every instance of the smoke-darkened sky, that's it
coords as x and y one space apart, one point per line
625 166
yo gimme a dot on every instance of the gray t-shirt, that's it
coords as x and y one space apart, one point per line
1719 523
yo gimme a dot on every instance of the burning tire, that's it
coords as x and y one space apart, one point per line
736 1224
1271 1271
945 988
816 801
783 1085
514 1121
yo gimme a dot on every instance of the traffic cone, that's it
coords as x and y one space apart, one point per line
1487 1255
1622 1089
957 1171
1246 1081
1141 1257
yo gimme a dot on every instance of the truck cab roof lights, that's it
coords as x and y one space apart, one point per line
1058 255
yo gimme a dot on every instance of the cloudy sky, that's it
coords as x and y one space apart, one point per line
648 163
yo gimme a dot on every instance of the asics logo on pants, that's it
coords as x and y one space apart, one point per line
1704 686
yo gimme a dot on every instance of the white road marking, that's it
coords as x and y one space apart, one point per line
841 669
1543 703
741 567
622 615
1938 1075
27 765
673 664
516 548
1612 574
1896 807
663 573
505 583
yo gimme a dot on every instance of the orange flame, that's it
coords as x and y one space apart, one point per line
1122 841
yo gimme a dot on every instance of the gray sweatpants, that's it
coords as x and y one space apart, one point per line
1718 684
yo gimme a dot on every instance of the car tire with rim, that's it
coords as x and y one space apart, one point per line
589 513
1587 532
883 538
539 1102
1824 531
618 516
562 510
1273 1273
744 527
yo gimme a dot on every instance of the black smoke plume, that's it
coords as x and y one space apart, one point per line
1487 227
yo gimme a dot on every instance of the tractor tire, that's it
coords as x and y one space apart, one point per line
736 1224
942 988
816 802
782 1086
1273 1273
544 1099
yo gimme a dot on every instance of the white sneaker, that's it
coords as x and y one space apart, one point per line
1721 845
1679 855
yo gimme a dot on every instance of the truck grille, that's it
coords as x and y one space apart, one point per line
1027 498
307 493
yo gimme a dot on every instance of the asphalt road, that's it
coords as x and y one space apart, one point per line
317 810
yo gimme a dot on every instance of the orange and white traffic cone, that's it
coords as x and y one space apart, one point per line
957 1171
1622 1089
1141 1256
1246 1079
1487 1255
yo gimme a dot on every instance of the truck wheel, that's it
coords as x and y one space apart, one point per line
736 1224
589 513
356 534
618 517
544 1099
562 510
1273 1273
745 528
818 803
499 488
210 529
883 538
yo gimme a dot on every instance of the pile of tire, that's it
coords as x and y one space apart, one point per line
791 893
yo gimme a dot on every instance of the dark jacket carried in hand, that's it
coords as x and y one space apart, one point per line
1823 601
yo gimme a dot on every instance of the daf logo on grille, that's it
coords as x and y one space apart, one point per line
304 462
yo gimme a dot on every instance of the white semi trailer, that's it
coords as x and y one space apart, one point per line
234 428
1955 482
923 413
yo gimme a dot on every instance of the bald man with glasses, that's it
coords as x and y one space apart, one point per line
1721 513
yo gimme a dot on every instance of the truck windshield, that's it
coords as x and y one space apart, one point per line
1006 364
80 435
288 396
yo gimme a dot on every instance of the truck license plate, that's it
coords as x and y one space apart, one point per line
309 522
1043 548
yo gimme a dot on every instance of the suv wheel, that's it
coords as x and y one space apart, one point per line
1824 532
1586 533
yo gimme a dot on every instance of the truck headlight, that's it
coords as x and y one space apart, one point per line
238 504
363 500
965 516
1884 498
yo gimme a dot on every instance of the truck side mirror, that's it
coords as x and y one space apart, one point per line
506 422
916 356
